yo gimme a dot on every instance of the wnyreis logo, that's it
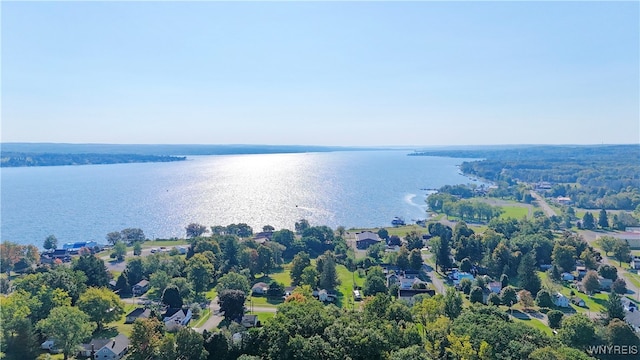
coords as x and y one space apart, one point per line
613 350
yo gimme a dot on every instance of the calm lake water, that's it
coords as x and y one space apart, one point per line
354 189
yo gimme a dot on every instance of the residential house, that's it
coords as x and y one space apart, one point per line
175 318
567 276
139 313
408 294
560 300
259 288
458 276
495 287
635 263
582 271
563 200
324 295
140 288
249 321
108 349
365 239
59 254
578 302
605 284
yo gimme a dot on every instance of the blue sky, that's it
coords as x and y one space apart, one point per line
323 73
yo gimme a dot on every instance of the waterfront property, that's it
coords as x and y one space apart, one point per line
365 239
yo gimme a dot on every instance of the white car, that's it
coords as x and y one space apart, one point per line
50 345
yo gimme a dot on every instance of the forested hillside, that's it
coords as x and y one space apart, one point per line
602 176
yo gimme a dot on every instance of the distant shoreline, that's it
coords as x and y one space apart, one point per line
16 159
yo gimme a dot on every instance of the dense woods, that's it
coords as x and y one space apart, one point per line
604 176
17 159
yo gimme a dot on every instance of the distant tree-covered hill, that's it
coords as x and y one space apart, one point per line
17 159
598 176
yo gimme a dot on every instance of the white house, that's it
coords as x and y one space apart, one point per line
635 263
560 300
495 286
260 288
175 318
109 349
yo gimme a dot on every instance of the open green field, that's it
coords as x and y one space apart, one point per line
515 212
536 324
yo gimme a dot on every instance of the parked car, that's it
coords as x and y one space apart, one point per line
50 346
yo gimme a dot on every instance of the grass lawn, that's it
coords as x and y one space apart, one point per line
211 294
263 317
282 276
156 243
536 324
263 301
515 212
204 316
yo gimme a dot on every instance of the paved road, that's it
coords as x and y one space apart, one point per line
435 280
214 319
543 204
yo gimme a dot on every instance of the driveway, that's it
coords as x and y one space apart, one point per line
214 319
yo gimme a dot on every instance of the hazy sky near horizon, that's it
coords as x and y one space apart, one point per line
322 73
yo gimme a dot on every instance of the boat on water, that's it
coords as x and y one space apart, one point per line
397 221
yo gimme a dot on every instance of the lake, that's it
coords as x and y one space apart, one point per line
351 188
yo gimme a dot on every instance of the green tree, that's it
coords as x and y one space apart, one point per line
114 237
69 326
375 282
119 250
577 331
122 285
613 307
528 278
415 259
563 256
414 240
131 235
102 305
591 282
493 299
301 225
298 264
383 234
167 348
328 277
402 261
159 280
465 265
94 269
50 243
608 272
619 286
543 299
508 296
233 281
265 259
190 345
232 303
588 222
607 243
309 277
135 271
195 230
137 249
171 297
199 272
555 318
603 220
620 333
146 336
622 251
452 304
476 295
